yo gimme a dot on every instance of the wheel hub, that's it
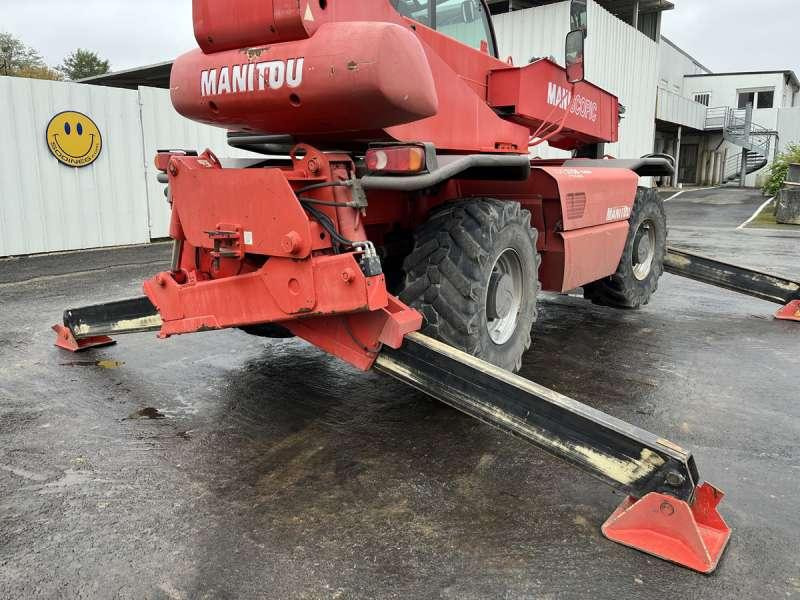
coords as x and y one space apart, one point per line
501 296
644 250
504 294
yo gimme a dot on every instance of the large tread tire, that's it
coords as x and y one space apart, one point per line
447 276
623 289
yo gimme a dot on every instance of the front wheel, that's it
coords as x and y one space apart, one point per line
642 262
473 274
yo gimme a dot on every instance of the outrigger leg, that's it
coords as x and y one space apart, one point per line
668 511
765 286
92 326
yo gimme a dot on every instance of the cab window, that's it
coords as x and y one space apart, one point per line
414 9
465 20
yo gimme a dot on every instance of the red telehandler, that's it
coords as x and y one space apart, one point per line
397 195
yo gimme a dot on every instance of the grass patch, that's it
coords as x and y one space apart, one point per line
766 219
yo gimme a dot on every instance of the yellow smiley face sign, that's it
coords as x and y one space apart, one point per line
74 139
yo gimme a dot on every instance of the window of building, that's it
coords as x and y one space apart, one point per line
746 98
703 98
764 98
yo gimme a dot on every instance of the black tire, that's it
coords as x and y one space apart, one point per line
632 285
458 256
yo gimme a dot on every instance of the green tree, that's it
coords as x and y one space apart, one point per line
779 169
83 63
15 56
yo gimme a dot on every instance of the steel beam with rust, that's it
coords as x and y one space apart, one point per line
668 513
764 286
91 326
134 315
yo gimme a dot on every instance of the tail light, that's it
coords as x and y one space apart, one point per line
396 159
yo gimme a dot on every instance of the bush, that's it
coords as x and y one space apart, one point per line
780 168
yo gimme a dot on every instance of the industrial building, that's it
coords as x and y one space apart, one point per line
700 115
673 104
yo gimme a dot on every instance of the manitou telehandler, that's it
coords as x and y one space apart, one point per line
397 194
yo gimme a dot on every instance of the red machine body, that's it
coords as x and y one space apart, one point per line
360 72
367 122
346 74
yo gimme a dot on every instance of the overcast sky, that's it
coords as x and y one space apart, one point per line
724 35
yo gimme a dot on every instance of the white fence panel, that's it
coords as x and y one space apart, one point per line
163 128
46 206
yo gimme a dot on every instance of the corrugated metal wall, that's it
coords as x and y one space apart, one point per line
618 59
46 206
788 128
674 108
674 63
163 128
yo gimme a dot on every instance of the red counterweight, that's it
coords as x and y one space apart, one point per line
346 78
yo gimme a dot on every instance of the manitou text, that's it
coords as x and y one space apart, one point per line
252 77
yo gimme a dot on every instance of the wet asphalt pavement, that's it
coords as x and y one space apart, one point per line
278 472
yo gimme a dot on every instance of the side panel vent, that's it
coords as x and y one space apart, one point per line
576 205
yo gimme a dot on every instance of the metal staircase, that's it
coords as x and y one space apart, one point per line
737 128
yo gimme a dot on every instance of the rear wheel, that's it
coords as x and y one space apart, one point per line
642 262
473 274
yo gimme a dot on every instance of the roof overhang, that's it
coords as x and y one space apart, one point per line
151 76
789 74
616 7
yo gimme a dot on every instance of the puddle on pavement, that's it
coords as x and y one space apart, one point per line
146 413
103 364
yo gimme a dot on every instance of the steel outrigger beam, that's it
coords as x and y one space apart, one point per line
738 279
91 326
668 512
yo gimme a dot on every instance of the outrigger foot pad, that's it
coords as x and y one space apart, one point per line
693 536
790 312
67 341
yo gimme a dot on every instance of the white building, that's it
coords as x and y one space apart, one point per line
775 100
700 116
709 110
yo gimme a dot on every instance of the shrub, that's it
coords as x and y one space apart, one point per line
780 168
